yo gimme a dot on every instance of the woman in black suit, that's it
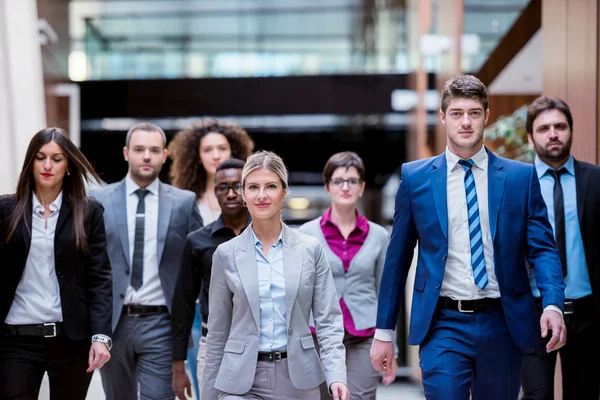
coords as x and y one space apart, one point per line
55 290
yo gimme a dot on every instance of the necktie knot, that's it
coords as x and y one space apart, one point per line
556 174
466 164
141 193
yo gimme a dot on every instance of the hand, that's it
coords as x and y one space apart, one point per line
99 355
339 391
553 320
381 355
390 374
181 381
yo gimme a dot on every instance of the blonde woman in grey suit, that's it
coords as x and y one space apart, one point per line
355 248
263 287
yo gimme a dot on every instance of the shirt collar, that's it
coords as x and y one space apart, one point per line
131 186
542 168
54 206
257 242
480 159
220 224
361 221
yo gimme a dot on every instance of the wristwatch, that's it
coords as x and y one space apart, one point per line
103 339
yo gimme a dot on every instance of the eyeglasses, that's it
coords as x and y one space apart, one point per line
223 188
352 182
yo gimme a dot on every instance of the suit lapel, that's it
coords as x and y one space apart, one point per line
292 268
438 186
582 178
165 204
496 180
245 262
118 199
25 227
63 216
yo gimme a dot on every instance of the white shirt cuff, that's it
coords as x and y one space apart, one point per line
385 335
552 307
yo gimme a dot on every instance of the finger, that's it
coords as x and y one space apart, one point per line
189 390
91 357
346 394
335 391
544 326
563 336
551 346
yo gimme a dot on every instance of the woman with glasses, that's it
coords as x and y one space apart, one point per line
263 286
196 153
355 249
56 287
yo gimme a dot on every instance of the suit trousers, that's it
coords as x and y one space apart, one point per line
362 377
470 353
272 382
201 360
580 366
24 359
141 356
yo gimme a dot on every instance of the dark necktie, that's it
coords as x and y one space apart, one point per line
559 218
137 265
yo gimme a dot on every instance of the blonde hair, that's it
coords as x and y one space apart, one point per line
269 161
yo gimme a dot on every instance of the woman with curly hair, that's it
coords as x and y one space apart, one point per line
197 151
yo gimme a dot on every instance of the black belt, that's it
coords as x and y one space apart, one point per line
275 356
469 306
572 306
133 310
48 330
204 332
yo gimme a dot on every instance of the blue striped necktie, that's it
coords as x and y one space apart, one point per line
477 256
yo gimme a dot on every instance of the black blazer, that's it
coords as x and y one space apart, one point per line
587 181
84 279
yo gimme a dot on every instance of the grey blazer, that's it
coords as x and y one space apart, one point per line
234 319
360 285
177 216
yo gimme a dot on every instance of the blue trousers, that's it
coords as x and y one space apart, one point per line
467 354
193 351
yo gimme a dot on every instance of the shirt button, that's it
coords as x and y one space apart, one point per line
290 331
127 271
122 296
438 286
445 256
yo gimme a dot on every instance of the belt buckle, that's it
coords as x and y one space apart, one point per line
461 309
53 325
130 313
276 356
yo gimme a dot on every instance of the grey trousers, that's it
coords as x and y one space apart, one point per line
362 377
272 382
201 360
142 354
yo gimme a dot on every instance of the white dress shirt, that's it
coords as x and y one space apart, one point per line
37 298
459 283
150 293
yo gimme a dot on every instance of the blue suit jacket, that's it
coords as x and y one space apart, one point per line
520 232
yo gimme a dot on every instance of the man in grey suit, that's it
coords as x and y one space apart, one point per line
146 222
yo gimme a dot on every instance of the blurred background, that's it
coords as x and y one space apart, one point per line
305 78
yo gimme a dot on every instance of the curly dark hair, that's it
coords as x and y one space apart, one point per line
187 171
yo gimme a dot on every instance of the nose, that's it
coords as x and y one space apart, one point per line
47 164
216 154
231 194
466 121
345 185
553 133
147 154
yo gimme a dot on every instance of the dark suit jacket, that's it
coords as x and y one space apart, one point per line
84 279
587 181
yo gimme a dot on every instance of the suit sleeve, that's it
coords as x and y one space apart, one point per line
99 275
187 290
328 318
398 258
220 302
542 253
195 220
379 265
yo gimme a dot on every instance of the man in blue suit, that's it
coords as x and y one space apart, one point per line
477 219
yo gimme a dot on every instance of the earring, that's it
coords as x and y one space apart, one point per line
68 173
244 204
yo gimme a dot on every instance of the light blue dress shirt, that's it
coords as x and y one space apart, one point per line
271 287
577 281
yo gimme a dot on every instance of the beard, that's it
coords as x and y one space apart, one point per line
555 154
147 176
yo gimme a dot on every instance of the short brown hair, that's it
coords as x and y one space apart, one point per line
345 159
545 103
464 87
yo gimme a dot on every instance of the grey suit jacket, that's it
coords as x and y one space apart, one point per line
360 285
234 317
177 216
